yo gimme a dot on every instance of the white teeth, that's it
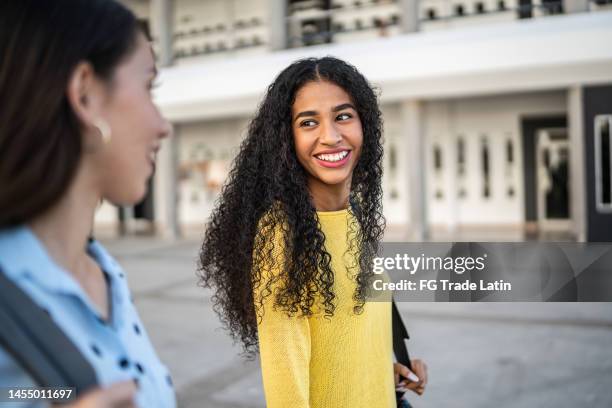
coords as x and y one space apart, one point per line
333 157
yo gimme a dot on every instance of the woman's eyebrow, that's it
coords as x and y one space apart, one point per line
305 113
343 106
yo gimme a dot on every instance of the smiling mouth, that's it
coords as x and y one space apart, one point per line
333 160
333 157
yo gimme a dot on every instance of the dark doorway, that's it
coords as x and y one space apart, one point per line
552 162
546 172
598 153
525 9
138 218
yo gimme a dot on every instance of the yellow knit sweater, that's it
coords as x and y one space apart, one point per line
344 361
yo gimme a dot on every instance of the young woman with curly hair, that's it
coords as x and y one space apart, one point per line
289 246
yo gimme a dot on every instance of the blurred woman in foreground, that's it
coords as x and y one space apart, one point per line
77 125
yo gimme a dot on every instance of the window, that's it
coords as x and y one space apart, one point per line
462 193
461 156
509 151
315 31
480 8
437 163
459 10
308 22
509 162
437 158
501 5
603 163
393 171
486 174
392 159
431 14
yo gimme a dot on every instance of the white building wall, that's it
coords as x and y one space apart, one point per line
395 192
498 119
106 220
205 152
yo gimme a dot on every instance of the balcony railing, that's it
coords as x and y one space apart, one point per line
234 37
521 11
318 22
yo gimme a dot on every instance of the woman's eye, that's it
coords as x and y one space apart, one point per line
308 123
344 116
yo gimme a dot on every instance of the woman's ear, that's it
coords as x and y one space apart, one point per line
84 94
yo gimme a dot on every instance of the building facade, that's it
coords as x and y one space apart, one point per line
497 113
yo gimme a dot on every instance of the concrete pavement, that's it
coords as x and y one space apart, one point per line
479 354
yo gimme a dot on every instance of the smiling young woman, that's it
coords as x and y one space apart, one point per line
288 249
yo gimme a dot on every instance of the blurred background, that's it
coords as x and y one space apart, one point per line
497 112
497 117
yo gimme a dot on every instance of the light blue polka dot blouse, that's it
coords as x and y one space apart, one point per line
118 349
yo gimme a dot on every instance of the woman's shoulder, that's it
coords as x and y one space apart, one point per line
10 238
20 252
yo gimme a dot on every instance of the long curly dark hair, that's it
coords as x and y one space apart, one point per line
267 179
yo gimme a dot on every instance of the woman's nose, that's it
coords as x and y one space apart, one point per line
331 136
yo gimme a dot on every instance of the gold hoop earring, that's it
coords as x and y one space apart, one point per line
104 129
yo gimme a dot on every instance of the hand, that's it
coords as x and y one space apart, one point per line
118 395
420 369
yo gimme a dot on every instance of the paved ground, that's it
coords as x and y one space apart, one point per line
479 354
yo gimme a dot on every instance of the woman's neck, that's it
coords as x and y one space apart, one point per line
65 228
327 197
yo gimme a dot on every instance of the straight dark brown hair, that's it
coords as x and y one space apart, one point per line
41 43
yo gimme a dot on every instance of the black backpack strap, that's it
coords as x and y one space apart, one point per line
400 334
28 333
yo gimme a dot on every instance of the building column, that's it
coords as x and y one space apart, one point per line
577 179
409 15
414 152
162 16
166 188
277 23
166 180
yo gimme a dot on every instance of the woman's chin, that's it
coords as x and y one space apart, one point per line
334 180
129 197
